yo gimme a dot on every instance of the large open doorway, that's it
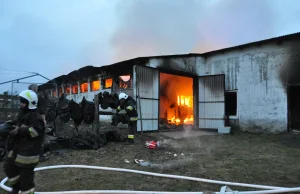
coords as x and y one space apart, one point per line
294 107
176 103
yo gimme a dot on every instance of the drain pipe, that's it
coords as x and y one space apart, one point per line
271 189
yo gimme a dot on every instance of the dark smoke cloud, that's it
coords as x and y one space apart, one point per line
156 27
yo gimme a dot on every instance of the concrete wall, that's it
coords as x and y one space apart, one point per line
257 73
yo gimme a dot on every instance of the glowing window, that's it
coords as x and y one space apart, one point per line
125 81
75 89
84 87
95 85
67 90
108 83
59 91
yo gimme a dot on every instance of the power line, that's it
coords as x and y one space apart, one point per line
13 73
16 70
31 83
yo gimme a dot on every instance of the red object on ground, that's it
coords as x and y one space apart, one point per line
152 144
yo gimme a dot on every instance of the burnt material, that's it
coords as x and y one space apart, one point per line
107 100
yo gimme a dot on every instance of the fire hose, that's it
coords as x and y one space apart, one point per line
269 189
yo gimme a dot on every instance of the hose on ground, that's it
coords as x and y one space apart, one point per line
269 189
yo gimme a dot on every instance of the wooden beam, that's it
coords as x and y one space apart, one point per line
96 117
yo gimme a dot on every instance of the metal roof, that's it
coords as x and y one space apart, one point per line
278 38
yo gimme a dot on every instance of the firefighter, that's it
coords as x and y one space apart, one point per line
128 104
41 107
24 151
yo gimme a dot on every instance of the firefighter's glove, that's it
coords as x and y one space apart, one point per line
14 132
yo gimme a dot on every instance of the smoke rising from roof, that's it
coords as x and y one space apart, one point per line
159 27
38 34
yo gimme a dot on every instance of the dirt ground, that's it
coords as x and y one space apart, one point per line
239 157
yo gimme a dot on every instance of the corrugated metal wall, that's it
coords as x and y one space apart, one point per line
147 88
211 101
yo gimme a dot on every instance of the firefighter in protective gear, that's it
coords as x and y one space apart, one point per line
23 155
128 104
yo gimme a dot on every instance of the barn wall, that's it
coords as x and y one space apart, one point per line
259 74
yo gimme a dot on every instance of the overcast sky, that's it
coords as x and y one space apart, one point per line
55 37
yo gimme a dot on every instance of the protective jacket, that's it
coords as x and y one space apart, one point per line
129 106
27 144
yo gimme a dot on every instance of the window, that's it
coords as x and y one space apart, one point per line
231 103
67 90
54 93
75 89
59 91
95 85
124 81
84 87
107 83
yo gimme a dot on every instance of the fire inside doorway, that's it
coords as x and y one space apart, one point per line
176 99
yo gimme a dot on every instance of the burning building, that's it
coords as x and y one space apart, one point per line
176 103
252 87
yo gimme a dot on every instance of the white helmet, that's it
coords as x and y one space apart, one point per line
123 96
32 98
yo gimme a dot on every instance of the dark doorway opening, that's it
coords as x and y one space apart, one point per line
231 103
293 107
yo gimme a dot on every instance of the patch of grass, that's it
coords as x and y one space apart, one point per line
242 157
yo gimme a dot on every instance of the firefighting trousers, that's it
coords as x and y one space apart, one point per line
132 128
20 179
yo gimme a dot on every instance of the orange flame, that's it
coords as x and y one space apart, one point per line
67 90
95 85
108 83
176 104
184 101
186 120
84 87
75 89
